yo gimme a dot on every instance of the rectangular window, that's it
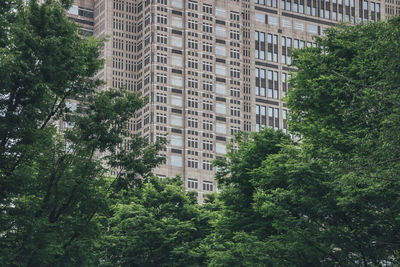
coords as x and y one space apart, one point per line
207 9
220 128
220 108
261 82
259 45
176 161
207 186
207 165
273 84
192 183
207 86
207 27
220 31
193 163
176 140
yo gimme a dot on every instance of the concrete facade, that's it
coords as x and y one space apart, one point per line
209 68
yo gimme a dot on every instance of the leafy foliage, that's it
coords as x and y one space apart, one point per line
332 199
329 200
156 225
54 187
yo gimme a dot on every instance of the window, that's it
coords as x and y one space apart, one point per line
261 117
259 45
161 38
207 145
207 47
177 3
220 69
220 88
192 5
207 125
207 86
176 120
207 27
235 35
176 22
260 82
193 83
235 53
161 98
192 102
284 79
162 58
207 105
176 41
176 80
299 26
311 28
161 78
235 16
220 148
272 47
193 63
284 117
193 122
260 17
193 163
192 24
220 51
207 66
193 142
176 61
207 186
273 118
161 118
207 165
272 20
235 111
220 108
287 23
220 128
192 183
176 100
220 31
176 140
235 73
176 161
220 12
286 57
235 92
161 19
193 44
207 9
273 84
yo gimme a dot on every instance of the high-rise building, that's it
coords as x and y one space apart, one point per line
209 68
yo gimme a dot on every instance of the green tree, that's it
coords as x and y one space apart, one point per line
157 224
239 232
346 106
332 199
54 187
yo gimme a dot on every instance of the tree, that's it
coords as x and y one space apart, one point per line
239 232
55 186
346 106
157 224
332 199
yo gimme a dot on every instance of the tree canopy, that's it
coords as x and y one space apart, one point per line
56 185
85 196
332 199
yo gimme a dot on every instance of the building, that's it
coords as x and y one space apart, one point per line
209 68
